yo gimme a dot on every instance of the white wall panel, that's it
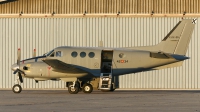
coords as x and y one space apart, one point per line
45 34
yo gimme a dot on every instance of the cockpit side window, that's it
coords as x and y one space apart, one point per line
49 53
52 54
58 54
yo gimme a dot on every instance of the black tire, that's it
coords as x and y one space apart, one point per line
112 90
87 88
16 88
80 89
74 90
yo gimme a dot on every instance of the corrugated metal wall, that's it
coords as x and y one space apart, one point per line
100 6
45 34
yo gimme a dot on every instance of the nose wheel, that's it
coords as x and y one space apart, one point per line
17 88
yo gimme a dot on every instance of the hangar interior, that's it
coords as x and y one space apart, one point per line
46 24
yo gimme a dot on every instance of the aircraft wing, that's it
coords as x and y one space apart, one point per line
60 66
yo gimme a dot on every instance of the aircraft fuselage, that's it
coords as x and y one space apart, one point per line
120 61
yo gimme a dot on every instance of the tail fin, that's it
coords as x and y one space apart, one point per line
177 40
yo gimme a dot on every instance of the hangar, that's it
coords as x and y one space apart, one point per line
46 24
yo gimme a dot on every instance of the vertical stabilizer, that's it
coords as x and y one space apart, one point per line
177 40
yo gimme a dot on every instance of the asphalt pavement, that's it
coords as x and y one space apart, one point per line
97 101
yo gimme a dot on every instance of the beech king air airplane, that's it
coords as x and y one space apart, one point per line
84 68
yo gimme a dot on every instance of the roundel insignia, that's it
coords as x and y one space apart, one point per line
96 65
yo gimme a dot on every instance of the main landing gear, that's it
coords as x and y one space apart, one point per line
17 88
75 87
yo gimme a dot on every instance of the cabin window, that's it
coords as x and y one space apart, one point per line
91 54
82 54
58 54
74 54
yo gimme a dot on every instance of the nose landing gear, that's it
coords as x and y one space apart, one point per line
17 88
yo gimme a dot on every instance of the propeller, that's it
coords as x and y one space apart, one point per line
18 63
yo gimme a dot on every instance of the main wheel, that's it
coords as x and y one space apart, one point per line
87 88
17 88
74 90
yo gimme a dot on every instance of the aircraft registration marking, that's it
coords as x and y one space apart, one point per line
122 61
174 38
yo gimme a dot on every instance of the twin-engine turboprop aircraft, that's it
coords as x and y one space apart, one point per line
88 68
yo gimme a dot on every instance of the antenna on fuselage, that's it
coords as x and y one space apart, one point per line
100 43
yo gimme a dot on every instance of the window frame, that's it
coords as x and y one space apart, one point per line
90 54
73 55
82 53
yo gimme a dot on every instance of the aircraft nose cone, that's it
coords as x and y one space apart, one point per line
14 67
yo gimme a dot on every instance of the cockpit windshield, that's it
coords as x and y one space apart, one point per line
48 53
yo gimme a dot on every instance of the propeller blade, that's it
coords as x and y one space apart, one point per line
20 77
34 53
15 71
18 56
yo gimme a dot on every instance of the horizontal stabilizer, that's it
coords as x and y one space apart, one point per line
177 64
